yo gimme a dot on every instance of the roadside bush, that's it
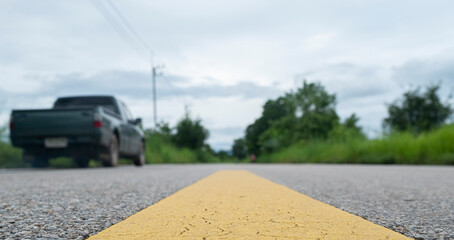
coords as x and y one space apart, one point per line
10 157
160 149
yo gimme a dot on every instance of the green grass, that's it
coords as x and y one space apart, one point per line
435 147
10 157
161 150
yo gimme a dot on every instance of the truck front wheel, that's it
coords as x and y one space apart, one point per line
82 162
139 160
113 152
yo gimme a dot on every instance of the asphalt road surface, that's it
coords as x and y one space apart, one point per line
417 201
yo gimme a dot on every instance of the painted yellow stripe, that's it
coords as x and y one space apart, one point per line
241 205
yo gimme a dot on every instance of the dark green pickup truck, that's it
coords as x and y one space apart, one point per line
83 128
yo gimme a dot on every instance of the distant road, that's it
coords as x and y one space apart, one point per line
417 201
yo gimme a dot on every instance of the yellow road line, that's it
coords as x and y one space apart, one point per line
241 205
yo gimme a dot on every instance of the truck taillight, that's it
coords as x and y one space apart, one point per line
97 124
97 121
11 123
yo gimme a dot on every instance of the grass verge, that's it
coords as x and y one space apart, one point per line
435 147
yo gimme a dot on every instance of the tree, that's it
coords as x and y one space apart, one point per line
312 115
164 129
347 130
239 148
223 155
417 111
272 110
190 133
352 122
318 111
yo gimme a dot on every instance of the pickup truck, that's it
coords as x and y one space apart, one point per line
83 128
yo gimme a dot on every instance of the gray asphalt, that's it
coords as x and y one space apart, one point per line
417 201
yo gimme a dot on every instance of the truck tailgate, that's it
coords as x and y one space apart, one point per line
53 122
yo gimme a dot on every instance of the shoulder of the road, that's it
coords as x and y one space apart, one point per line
238 204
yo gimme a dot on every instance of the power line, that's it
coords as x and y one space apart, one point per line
110 18
175 90
121 25
127 32
125 22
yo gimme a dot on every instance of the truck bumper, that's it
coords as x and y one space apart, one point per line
38 141
78 146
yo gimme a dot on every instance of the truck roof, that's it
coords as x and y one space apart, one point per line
88 96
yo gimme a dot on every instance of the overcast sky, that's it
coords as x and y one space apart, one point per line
225 58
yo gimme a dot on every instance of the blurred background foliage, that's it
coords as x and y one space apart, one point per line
9 156
302 126
417 111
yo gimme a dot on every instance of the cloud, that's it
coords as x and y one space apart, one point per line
222 138
350 81
318 41
424 72
138 85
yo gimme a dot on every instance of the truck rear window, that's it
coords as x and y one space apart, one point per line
85 102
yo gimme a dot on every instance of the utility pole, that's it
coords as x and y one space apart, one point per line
153 80
154 75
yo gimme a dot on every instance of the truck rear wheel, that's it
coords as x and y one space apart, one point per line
40 161
139 160
27 156
113 152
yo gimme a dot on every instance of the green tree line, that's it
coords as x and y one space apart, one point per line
303 126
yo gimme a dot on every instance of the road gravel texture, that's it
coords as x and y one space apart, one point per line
74 204
417 201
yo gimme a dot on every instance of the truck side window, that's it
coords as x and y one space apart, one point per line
126 111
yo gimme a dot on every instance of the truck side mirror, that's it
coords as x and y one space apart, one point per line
138 121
